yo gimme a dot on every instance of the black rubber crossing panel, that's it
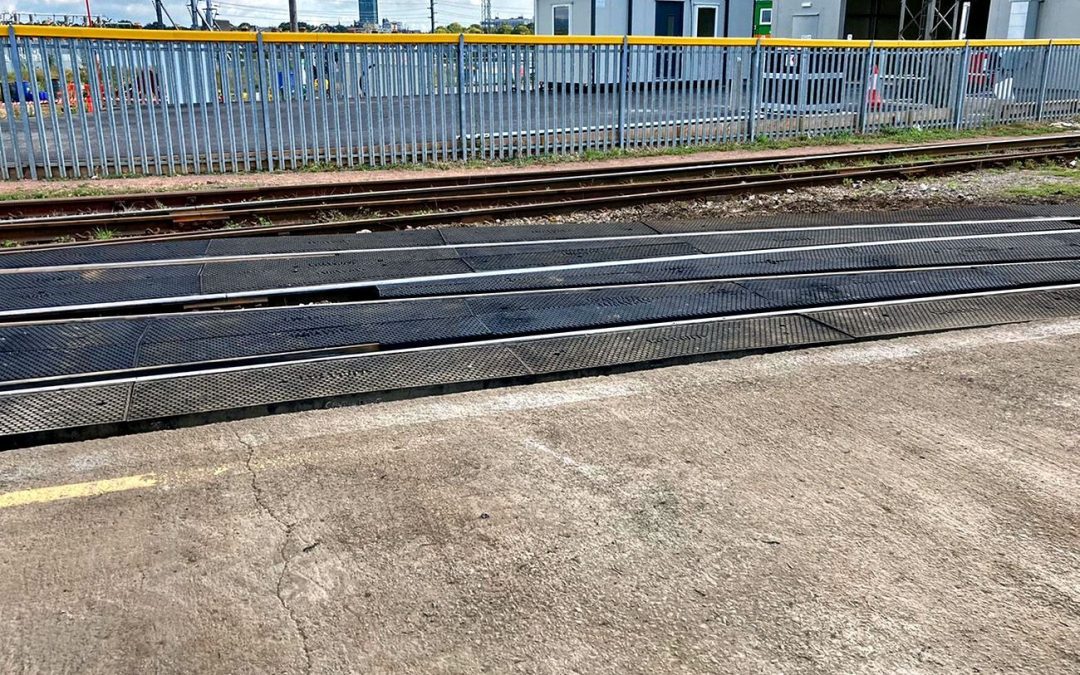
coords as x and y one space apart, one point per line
484 234
82 347
106 253
953 313
235 246
243 324
76 347
828 218
46 350
1049 210
232 277
884 256
735 241
995 250
540 312
504 259
350 268
25 413
65 288
321 379
59 289
208 337
1042 273
825 260
268 386
238 246
160 251
58 349
671 342
846 288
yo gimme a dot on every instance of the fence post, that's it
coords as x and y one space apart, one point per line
264 91
757 72
20 97
961 86
802 92
624 75
1040 105
864 89
461 95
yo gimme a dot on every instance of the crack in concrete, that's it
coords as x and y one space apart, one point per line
287 532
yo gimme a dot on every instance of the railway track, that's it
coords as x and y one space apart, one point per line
319 190
387 205
103 341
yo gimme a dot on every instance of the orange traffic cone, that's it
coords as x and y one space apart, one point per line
873 96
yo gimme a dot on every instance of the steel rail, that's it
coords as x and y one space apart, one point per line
542 202
406 201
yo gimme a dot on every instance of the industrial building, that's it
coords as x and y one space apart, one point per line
676 18
926 19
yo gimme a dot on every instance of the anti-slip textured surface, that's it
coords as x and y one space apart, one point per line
263 387
75 347
99 372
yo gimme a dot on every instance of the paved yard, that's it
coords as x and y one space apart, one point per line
904 505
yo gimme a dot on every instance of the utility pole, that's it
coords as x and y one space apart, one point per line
208 16
195 14
432 6
158 11
485 15
293 24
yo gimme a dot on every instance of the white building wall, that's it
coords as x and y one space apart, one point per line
612 19
1048 19
611 16
818 19
579 16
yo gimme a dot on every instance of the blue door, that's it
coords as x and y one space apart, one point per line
669 23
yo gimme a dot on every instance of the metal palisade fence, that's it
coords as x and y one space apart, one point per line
82 102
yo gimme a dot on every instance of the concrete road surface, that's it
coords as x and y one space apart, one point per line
908 505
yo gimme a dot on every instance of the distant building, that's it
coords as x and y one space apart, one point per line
493 25
681 18
388 26
369 12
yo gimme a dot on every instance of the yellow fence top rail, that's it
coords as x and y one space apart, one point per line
481 38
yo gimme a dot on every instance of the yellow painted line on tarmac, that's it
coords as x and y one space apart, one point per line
93 488
142 481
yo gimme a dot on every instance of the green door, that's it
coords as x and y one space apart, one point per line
762 17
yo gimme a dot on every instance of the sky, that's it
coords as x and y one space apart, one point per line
272 12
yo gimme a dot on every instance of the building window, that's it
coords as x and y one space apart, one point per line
765 18
560 20
1018 20
705 21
